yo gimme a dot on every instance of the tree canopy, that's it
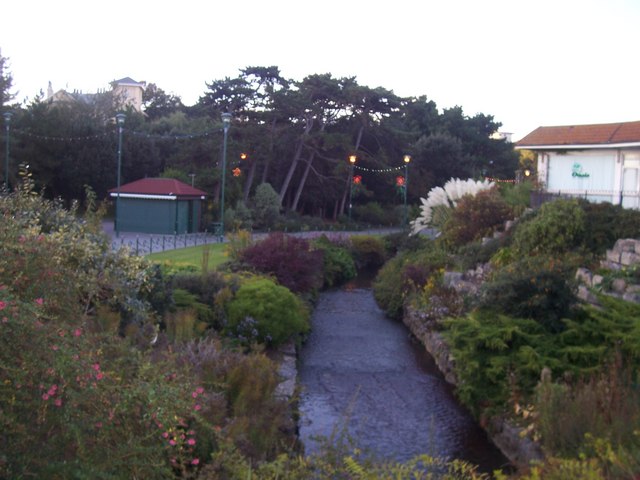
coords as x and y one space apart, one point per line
294 135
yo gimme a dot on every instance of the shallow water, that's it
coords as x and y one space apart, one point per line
362 372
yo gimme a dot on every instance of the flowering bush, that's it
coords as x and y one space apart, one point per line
437 206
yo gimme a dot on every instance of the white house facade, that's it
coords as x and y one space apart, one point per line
598 162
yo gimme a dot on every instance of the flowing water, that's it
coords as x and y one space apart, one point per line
362 373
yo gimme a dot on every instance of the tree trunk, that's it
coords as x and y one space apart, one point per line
349 180
265 172
296 199
249 181
296 159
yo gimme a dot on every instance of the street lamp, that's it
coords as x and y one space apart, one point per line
226 123
120 117
7 121
352 161
407 159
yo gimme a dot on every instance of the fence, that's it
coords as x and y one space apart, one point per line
146 243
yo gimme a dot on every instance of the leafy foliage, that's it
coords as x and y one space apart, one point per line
475 217
368 250
539 288
266 207
276 314
558 227
338 264
289 259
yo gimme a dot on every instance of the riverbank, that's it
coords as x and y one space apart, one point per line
519 449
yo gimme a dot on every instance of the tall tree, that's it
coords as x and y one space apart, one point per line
6 81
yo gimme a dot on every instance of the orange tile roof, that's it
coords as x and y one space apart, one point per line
598 134
159 186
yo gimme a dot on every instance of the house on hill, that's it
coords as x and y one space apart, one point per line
599 162
158 205
124 93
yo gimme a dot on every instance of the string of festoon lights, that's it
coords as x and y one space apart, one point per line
379 170
79 138
60 139
500 180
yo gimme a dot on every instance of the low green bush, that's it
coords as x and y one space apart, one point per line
265 312
405 273
540 288
556 228
338 264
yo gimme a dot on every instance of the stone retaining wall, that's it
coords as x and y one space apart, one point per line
625 254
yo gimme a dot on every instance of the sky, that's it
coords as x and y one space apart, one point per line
528 63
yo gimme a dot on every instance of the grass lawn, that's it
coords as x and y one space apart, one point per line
190 258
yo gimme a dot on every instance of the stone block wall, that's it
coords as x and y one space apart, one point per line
625 254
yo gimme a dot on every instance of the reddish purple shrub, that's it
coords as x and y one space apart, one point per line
290 259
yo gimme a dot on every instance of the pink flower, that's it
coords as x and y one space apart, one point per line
191 441
99 376
57 402
194 394
77 332
200 390
98 424
172 442
96 367
54 348
39 301
3 305
197 407
45 397
195 461
165 435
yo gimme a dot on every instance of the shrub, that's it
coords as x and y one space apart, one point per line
279 315
606 405
540 288
368 250
606 223
497 358
402 275
516 195
266 207
475 217
338 264
291 260
374 214
557 227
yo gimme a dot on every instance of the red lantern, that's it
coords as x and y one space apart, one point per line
357 179
400 181
236 172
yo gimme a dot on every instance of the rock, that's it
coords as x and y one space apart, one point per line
451 279
584 275
613 256
631 297
619 285
597 280
629 258
519 449
625 245
586 295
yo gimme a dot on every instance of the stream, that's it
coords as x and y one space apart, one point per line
363 374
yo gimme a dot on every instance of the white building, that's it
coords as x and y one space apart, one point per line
598 162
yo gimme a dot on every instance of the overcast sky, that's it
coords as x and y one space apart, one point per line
526 62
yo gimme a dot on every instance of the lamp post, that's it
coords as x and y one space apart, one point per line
407 159
7 121
226 123
352 161
120 117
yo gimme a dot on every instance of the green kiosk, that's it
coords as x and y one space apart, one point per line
158 205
